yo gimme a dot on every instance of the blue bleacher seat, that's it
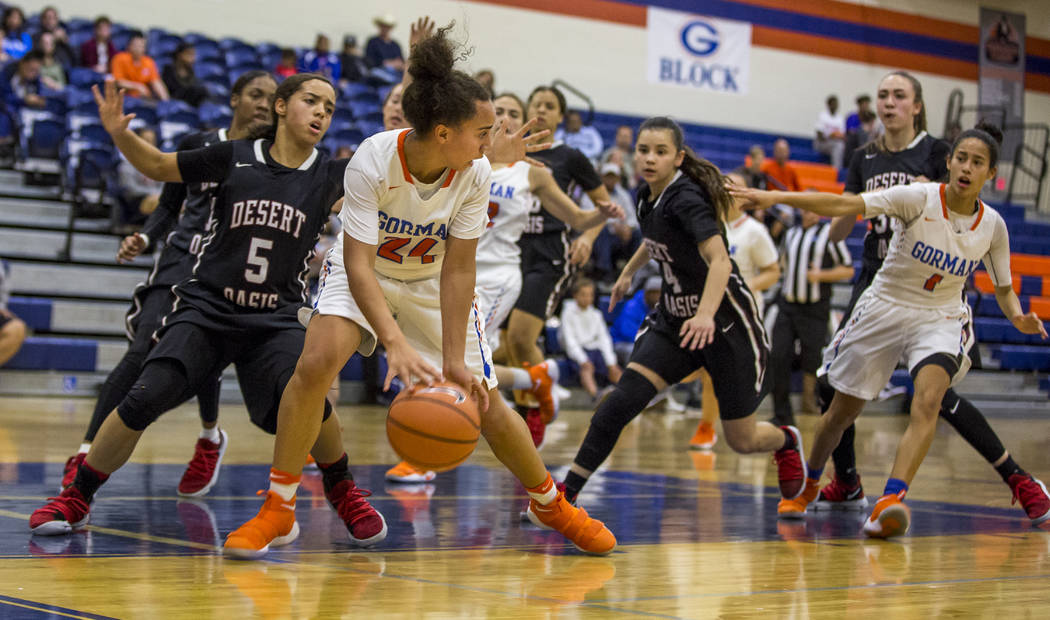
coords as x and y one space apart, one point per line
120 38
351 89
342 114
234 73
1022 357
231 43
242 56
83 77
198 39
79 23
206 70
166 108
347 137
47 353
45 139
266 48
163 48
144 113
94 132
369 128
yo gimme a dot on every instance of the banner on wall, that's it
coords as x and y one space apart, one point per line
698 52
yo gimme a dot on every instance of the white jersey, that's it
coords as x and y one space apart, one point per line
936 250
751 248
509 204
408 220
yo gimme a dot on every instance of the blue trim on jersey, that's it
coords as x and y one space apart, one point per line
485 365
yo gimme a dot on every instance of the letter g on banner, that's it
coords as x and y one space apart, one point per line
700 38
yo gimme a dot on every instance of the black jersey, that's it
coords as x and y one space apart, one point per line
265 221
872 169
673 225
187 204
570 168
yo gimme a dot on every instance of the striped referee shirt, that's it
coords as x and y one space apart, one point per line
805 249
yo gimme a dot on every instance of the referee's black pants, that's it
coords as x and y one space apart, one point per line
806 324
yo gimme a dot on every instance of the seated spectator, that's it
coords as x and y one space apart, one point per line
50 23
286 66
621 153
779 173
138 193
344 151
52 72
487 78
17 42
620 238
586 339
180 79
351 62
751 172
585 139
862 127
12 329
630 318
136 72
97 51
321 60
21 84
831 133
381 50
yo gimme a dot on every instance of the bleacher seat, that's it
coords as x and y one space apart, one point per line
206 70
49 353
95 133
1022 357
45 139
166 108
208 112
348 137
227 44
234 73
242 56
353 89
218 88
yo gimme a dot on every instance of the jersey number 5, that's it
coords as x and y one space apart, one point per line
261 263
389 249
932 282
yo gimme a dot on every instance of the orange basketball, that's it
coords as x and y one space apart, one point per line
434 427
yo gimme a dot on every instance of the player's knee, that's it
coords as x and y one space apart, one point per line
627 400
161 386
317 367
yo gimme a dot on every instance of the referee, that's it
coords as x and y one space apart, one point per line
810 263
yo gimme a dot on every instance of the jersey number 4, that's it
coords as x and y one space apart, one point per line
932 282
390 249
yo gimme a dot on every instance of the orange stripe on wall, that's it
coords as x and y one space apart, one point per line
603 10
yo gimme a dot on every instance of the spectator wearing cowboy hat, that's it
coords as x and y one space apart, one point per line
382 50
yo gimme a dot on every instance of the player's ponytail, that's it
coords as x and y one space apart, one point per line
988 133
285 90
703 172
438 93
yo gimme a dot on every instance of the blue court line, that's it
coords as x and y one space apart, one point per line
51 609
909 584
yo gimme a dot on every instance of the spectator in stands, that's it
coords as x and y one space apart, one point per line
352 63
382 50
344 151
12 329
52 71
287 65
136 72
180 78
583 138
321 60
97 51
139 194
831 132
21 84
780 174
862 127
630 318
487 78
621 153
751 171
50 23
586 338
17 42
621 237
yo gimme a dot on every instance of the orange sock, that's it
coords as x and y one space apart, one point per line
284 483
545 492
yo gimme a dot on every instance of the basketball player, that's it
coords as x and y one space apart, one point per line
905 153
251 100
706 316
755 255
914 309
241 303
415 203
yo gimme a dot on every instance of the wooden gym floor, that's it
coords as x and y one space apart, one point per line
698 532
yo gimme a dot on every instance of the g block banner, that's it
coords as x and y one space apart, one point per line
693 51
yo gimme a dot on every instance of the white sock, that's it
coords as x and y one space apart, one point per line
84 448
521 379
286 491
553 371
211 434
545 497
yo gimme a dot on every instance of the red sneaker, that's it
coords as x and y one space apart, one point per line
538 430
791 466
839 496
69 473
364 525
61 515
203 470
1031 492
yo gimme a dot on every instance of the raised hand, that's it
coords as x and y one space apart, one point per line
508 148
111 108
423 28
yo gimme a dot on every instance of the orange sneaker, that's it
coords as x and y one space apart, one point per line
275 525
796 508
543 377
311 462
406 473
589 535
889 518
704 438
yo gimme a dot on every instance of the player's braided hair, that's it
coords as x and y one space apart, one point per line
285 90
988 133
438 93
706 174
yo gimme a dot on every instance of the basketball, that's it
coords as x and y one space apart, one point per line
434 427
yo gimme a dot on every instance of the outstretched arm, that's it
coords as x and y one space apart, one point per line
147 159
821 203
562 207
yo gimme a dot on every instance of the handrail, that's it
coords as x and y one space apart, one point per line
560 83
1038 154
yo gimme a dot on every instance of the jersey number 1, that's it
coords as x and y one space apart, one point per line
932 282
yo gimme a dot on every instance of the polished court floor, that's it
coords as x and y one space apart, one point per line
698 533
